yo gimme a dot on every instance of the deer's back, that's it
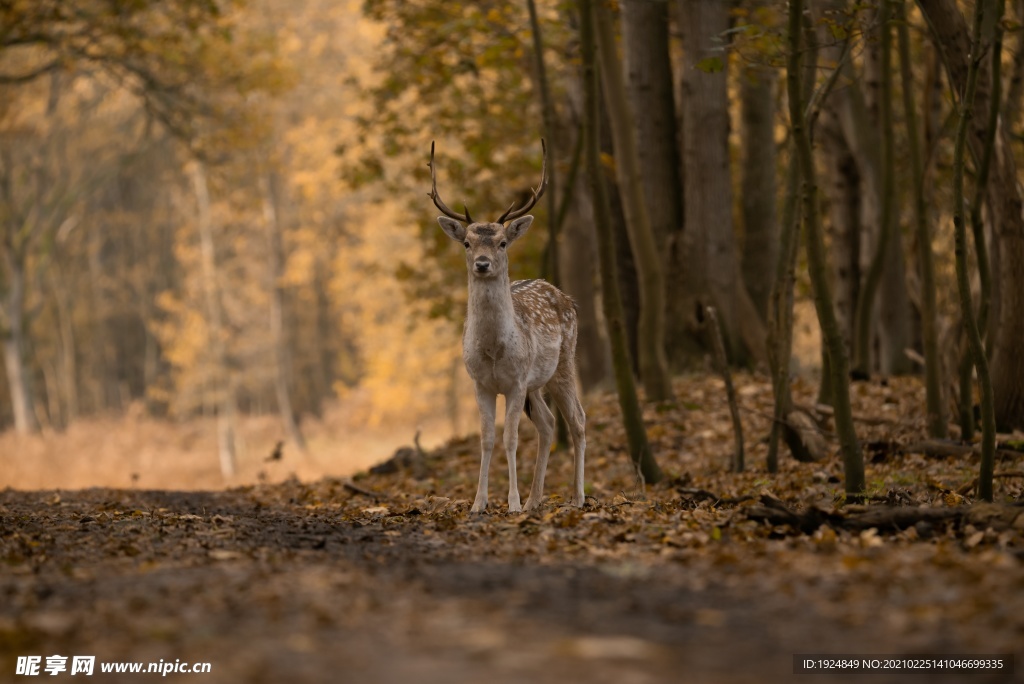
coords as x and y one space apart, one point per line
543 308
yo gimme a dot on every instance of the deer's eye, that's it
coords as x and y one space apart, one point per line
466 244
502 245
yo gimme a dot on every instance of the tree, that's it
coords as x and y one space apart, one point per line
171 55
270 185
952 38
632 416
760 224
853 462
978 357
932 363
645 39
885 249
709 241
651 330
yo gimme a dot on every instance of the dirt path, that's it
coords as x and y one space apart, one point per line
274 585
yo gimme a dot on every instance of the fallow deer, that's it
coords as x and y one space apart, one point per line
519 339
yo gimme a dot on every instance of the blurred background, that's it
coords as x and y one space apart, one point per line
216 237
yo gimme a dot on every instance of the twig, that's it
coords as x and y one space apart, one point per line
356 489
718 347
416 441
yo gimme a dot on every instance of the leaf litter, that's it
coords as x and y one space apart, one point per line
389 576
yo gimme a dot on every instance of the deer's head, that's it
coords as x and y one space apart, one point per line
486 244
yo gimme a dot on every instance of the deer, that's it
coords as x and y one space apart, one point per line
519 339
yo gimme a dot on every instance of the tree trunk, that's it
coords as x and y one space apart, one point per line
220 373
551 262
936 412
817 264
651 339
580 279
885 273
649 87
1014 100
632 416
710 242
18 378
761 232
1004 197
270 187
843 185
988 423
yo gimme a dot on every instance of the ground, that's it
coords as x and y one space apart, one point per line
390 578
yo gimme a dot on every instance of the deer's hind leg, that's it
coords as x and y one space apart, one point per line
563 389
542 417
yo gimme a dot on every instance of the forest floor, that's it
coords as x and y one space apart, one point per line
711 576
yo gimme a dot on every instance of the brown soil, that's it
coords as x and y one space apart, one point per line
310 582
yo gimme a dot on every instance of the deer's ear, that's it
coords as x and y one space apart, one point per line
452 228
516 229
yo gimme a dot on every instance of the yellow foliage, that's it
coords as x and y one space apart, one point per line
410 361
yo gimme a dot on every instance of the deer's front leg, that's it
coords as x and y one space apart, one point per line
486 403
514 402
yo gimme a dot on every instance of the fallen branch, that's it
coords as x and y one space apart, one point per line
981 515
697 494
806 440
356 489
973 484
942 448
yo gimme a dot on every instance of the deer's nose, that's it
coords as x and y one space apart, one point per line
482 265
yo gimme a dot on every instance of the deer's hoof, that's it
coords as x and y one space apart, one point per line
578 500
479 506
532 505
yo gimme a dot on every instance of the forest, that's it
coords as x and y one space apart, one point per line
236 427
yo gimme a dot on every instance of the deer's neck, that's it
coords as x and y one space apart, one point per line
490 319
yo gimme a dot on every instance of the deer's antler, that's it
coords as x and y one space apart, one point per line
510 215
438 202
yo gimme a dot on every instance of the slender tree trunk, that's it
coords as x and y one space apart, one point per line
220 372
1004 197
981 242
651 343
551 269
853 462
67 367
278 335
888 238
18 378
780 309
547 109
780 312
1012 105
632 416
988 423
932 362
995 48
